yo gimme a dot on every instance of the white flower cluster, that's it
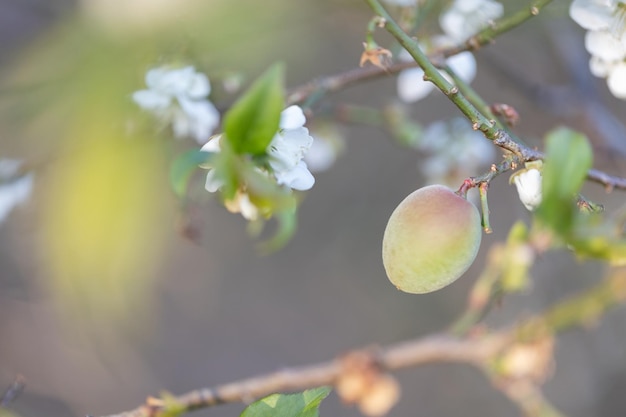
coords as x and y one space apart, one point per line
605 21
14 189
285 153
455 151
178 97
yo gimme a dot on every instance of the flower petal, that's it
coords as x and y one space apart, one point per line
464 64
288 148
411 85
151 100
592 14
200 87
528 185
202 119
292 118
604 45
213 182
298 178
617 81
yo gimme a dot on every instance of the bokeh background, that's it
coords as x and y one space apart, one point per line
213 310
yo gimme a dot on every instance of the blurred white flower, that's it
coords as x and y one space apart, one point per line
528 184
600 15
411 85
454 151
605 40
179 97
602 44
14 189
288 148
616 80
326 148
465 18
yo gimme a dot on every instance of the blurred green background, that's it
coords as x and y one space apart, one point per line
150 310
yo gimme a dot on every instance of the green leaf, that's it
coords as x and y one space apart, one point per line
304 404
568 158
253 120
183 167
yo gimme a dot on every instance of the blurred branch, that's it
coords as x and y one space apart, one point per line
342 80
13 391
477 350
499 27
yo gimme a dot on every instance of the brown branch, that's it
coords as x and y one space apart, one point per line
435 348
477 350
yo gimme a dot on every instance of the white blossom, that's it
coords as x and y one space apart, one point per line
178 97
325 150
288 148
605 40
15 189
465 18
597 15
528 184
454 151
285 155
411 84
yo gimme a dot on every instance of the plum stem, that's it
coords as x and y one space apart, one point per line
467 185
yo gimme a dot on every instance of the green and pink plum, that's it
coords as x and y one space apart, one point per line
431 239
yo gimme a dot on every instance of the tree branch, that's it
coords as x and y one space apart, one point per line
476 350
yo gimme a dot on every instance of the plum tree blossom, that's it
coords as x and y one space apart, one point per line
287 150
285 155
465 18
528 183
411 85
605 40
178 97
454 151
600 15
326 148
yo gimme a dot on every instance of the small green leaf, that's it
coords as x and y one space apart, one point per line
568 158
253 120
304 404
183 167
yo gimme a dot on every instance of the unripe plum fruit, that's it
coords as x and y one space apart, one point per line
431 239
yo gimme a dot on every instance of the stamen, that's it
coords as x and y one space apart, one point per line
618 26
